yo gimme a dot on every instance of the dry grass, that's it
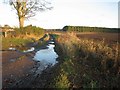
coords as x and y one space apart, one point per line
89 62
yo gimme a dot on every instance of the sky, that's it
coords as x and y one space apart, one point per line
97 13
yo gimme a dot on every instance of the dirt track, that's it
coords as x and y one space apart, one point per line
15 66
19 70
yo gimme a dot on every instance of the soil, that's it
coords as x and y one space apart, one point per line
108 37
19 70
15 66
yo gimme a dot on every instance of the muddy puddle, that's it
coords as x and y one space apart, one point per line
45 58
48 56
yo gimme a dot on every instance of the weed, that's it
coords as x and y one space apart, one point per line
92 58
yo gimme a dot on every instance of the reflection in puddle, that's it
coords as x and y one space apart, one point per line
51 42
12 60
30 50
46 56
12 48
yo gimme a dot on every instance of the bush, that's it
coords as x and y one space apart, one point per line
28 30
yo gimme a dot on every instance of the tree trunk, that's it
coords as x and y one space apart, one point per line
21 22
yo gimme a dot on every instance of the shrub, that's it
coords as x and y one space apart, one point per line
26 31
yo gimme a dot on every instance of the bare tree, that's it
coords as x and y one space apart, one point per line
28 8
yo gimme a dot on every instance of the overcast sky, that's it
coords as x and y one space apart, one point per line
100 13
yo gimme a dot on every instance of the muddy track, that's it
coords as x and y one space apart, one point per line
23 83
34 73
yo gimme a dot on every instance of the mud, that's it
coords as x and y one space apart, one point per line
19 70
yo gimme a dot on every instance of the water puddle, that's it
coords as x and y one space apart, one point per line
11 48
25 51
29 50
51 42
47 57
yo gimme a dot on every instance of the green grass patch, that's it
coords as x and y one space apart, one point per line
14 42
62 81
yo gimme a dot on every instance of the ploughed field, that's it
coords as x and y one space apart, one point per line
108 37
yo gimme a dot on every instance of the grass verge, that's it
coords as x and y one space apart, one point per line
87 64
14 42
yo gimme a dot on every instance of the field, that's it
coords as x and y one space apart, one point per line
108 37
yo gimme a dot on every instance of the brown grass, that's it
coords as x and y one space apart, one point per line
88 63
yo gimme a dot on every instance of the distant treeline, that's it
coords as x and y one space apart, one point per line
90 29
53 29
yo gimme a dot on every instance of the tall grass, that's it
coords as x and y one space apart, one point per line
89 63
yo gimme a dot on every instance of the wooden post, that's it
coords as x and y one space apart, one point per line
5 34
